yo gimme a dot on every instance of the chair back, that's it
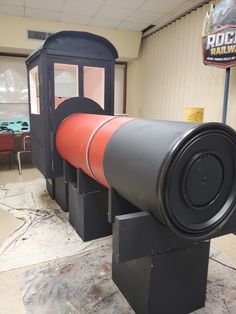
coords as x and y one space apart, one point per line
7 143
26 141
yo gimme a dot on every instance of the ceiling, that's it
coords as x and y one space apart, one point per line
133 15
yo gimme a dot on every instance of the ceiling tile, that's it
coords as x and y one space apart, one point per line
74 18
13 2
11 10
160 5
132 26
143 17
114 12
104 22
96 1
41 14
86 8
52 5
130 4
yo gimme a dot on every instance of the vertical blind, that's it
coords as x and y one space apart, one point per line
169 75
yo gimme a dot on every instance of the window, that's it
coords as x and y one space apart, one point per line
34 90
94 84
119 88
66 82
13 88
13 81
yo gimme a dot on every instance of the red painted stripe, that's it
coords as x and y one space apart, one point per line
98 146
90 140
73 136
81 140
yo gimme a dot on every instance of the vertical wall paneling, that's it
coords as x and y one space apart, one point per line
169 75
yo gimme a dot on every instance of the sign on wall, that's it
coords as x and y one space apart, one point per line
219 35
194 115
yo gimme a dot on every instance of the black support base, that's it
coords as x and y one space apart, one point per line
168 283
157 272
88 207
61 193
50 186
117 205
60 185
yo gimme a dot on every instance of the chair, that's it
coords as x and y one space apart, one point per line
25 148
7 144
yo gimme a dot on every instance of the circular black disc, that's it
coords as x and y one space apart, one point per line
203 180
199 187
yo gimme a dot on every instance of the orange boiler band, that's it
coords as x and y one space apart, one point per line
81 140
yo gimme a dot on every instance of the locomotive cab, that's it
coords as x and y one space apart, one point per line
69 68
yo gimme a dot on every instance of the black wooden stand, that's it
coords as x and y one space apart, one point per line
88 202
85 199
50 186
61 192
60 185
157 272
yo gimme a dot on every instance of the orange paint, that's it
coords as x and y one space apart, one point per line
82 139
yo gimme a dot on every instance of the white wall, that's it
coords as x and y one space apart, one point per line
169 75
13 35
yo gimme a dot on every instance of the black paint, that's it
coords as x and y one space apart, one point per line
182 173
226 94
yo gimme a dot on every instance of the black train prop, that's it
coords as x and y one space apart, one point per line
166 187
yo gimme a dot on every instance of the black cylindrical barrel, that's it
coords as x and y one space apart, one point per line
183 173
